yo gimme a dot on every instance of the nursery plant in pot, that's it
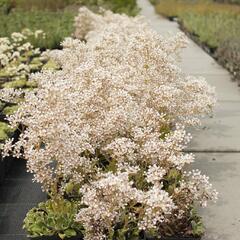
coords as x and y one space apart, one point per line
2 169
5 133
105 136
18 59
53 218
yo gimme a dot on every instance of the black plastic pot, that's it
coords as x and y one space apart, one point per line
80 238
181 238
2 169
5 165
55 238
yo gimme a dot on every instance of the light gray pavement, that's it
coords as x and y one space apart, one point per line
217 142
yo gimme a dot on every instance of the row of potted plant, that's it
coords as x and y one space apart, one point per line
105 136
18 59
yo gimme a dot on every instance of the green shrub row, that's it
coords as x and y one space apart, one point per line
54 17
215 25
228 1
17 61
53 5
5 6
56 25
128 7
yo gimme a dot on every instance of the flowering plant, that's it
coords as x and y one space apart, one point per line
108 130
18 59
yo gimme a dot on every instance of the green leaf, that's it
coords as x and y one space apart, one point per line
62 235
10 110
70 233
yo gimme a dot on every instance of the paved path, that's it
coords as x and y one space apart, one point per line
217 143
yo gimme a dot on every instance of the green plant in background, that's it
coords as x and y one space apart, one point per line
213 24
5 131
18 59
196 223
128 7
51 5
9 110
119 6
228 54
212 28
54 17
56 25
5 6
53 217
228 1
154 2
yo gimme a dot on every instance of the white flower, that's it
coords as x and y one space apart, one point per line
4 60
15 55
18 37
117 109
155 174
38 33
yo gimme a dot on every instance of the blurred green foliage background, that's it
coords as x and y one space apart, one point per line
54 17
213 24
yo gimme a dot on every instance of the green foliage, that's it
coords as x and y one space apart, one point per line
172 180
2 105
119 6
51 65
53 5
139 180
154 2
128 7
10 110
5 6
5 131
12 72
212 28
12 76
19 83
54 17
52 218
56 25
213 24
228 1
196 223
228 54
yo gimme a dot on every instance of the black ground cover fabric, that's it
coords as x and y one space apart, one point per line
17 195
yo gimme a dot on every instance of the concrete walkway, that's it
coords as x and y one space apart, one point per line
217 142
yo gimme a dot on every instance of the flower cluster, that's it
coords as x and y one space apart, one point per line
108 198
18 59
112 122
16 53
144 58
